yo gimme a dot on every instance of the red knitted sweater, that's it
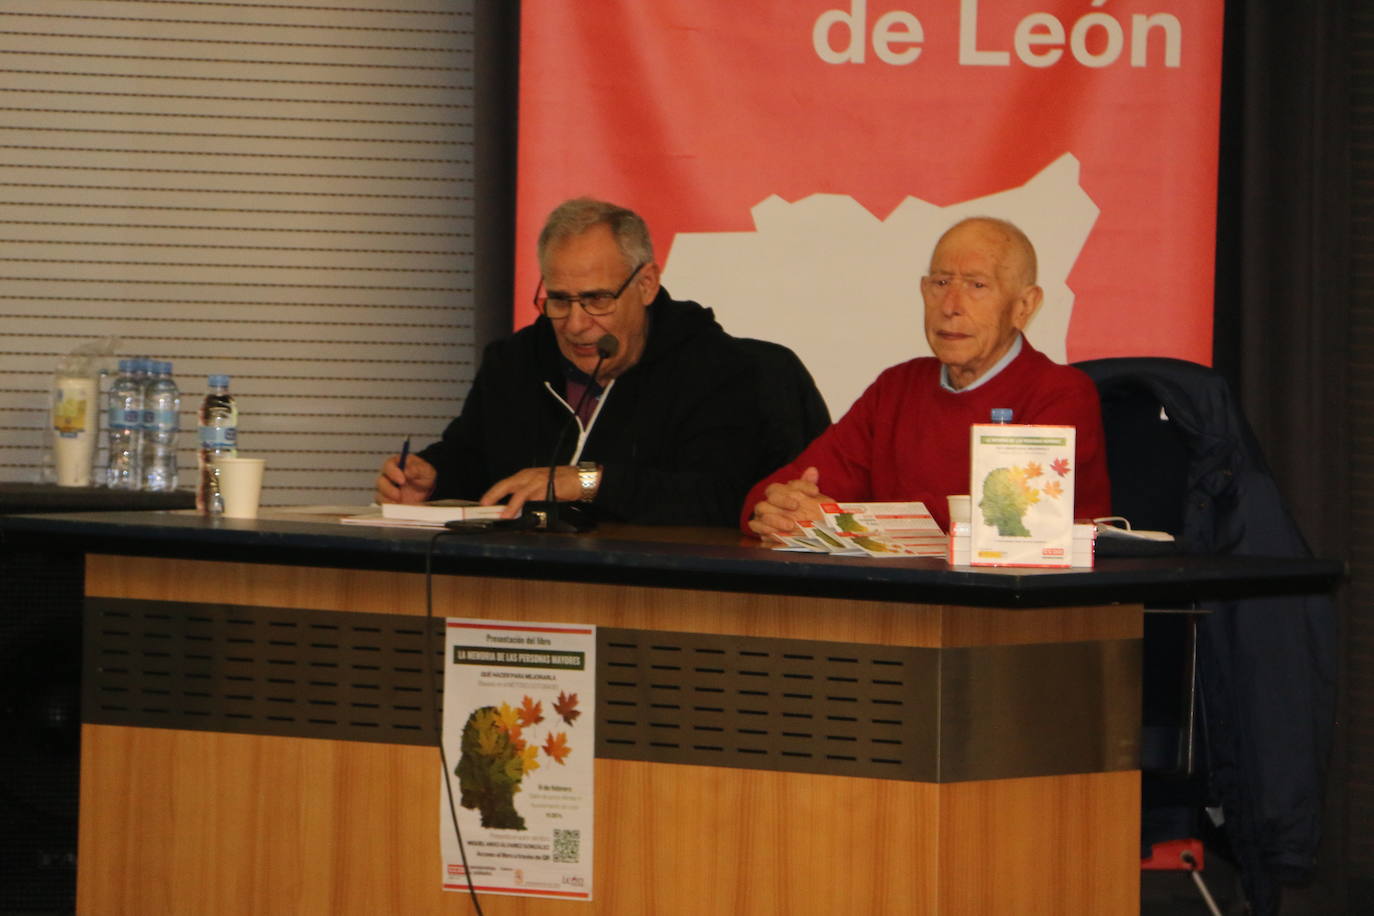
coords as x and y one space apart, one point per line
906 438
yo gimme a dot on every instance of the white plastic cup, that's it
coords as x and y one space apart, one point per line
74 429
240 483
960 509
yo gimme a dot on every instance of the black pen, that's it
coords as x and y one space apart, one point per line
405 453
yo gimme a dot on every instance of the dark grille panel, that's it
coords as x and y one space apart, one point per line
803 706
258 670
797 705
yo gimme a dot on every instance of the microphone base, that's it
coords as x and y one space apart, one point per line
568 518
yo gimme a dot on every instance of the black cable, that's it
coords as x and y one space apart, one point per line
601 352
434 708
606 347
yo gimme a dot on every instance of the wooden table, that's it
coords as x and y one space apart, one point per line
927 740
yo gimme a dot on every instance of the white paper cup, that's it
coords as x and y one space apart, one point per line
74 430
960 509
240 483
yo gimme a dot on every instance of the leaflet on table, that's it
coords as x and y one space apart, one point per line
1021 485
870 529
520 751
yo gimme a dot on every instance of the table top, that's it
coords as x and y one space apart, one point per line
16 497
695 558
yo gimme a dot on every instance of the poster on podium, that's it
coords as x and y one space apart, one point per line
519 755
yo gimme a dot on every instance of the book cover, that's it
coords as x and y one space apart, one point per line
1021 485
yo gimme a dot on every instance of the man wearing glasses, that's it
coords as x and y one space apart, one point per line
907 437
666 431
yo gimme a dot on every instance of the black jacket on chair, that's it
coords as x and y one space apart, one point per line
1266 666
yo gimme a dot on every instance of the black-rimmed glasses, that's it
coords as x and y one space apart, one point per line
594 302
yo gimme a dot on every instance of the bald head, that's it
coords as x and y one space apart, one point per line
979 294
1017 265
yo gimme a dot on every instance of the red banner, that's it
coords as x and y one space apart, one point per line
797 159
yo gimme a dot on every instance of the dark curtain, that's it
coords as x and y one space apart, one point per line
1283 247
1285 335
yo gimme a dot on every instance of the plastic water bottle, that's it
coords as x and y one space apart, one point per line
124 421
161 422
219 434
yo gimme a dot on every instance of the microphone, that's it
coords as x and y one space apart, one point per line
607 346
572 517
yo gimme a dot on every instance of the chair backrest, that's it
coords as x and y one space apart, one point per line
1147 453
794 412
1233 504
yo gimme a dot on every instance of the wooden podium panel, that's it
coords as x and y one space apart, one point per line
176 822
205 822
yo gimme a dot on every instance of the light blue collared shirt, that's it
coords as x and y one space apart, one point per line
1012 352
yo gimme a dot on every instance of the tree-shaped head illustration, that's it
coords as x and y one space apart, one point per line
1005 501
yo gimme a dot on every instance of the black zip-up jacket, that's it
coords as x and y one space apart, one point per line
1266 666
678 433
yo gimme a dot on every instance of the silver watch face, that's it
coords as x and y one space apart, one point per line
588 476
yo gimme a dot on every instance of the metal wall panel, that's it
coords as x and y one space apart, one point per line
282 192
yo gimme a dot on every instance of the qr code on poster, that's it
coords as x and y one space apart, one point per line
567 845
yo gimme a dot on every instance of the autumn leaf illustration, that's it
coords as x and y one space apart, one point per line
566 706
495 758
556 746
531 712
507 718
1033 470
1054 489
1060 466
489 741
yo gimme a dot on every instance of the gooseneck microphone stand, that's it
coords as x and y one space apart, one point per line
568 517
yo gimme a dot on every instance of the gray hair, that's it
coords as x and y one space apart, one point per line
1017 241
574 217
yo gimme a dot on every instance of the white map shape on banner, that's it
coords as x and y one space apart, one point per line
843 289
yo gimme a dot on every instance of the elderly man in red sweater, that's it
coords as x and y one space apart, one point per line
907 437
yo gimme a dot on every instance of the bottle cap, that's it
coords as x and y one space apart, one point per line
1001 414
219 381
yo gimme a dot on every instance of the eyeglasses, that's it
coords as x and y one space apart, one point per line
594 302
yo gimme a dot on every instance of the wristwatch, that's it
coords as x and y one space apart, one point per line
589 476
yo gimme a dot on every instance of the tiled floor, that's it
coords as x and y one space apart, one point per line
1165 893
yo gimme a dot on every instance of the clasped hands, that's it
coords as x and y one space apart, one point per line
785 504
416 482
